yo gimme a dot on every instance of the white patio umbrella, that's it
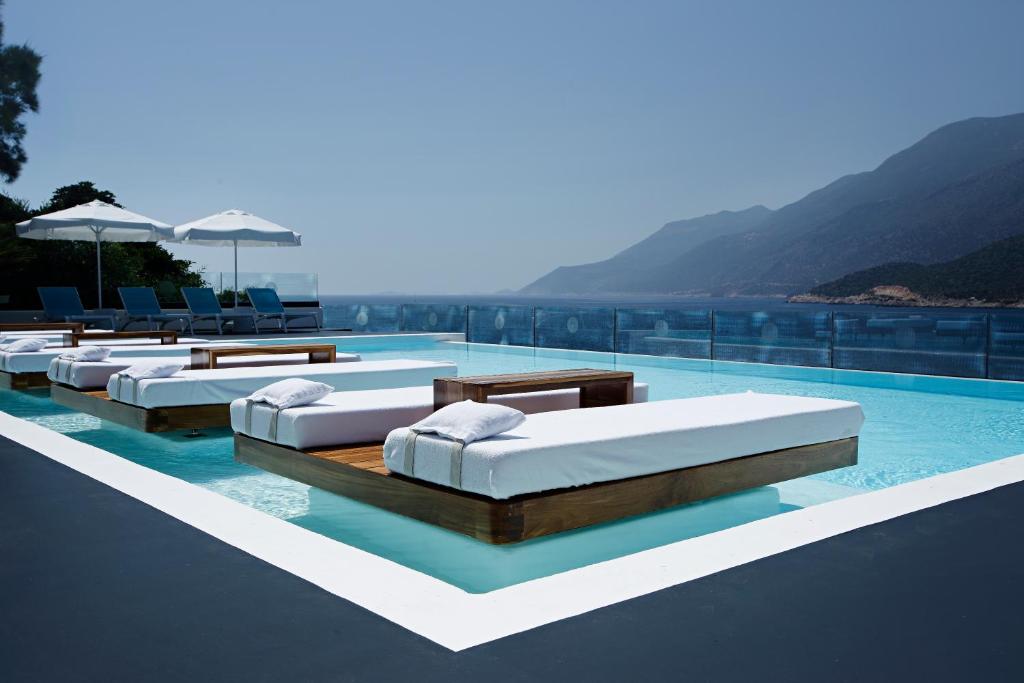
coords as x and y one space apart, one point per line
95 221
238 229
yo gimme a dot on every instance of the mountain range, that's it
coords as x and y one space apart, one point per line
955 191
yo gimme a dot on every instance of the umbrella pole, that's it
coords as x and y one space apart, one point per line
99 272
236 273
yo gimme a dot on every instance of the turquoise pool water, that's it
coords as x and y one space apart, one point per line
916 427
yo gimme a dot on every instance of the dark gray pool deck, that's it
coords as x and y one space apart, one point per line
96 586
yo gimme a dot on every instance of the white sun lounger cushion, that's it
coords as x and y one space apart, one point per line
85 353
124 386
288 393
352 417
469 421
223 385
51 335
143 341
95 374
25 345
61 366
91 374
59 343
39 361
578 447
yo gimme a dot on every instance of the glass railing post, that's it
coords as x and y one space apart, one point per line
711 349
832 339
988 343
533 323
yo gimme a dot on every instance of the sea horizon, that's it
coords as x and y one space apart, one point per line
631 301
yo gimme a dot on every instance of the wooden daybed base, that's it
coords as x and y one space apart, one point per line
23 380
99 404
358 472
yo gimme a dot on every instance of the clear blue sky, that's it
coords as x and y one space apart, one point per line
449 147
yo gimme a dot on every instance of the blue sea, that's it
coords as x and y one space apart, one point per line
654 300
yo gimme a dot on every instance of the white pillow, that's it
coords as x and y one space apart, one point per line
151 370
26 345
86 353
469 421
291 392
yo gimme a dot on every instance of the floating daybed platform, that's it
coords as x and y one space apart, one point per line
195 399
575 468
28 370
358 472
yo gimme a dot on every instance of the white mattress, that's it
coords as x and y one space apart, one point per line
584 446
39 361
56 335
96 374
204 387
369 416
191 341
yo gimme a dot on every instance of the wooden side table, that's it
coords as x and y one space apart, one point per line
165 336
597 387
205 358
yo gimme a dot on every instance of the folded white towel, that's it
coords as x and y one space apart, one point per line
25 345
151 370
291 392
469 421
90 353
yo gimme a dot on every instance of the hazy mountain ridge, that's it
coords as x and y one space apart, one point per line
658 249
957 189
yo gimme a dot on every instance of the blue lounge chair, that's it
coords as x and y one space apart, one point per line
268 306
203 305
140 303
62 304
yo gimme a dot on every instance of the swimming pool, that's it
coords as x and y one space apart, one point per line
916 427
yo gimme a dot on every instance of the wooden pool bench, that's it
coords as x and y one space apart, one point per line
74 339
208 357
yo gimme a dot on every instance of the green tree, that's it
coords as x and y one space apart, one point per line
19 76
55 262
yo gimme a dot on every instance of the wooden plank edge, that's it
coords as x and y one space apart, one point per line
540 514
150 420
23 380
466 513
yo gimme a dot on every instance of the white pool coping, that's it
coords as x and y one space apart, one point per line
458 620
